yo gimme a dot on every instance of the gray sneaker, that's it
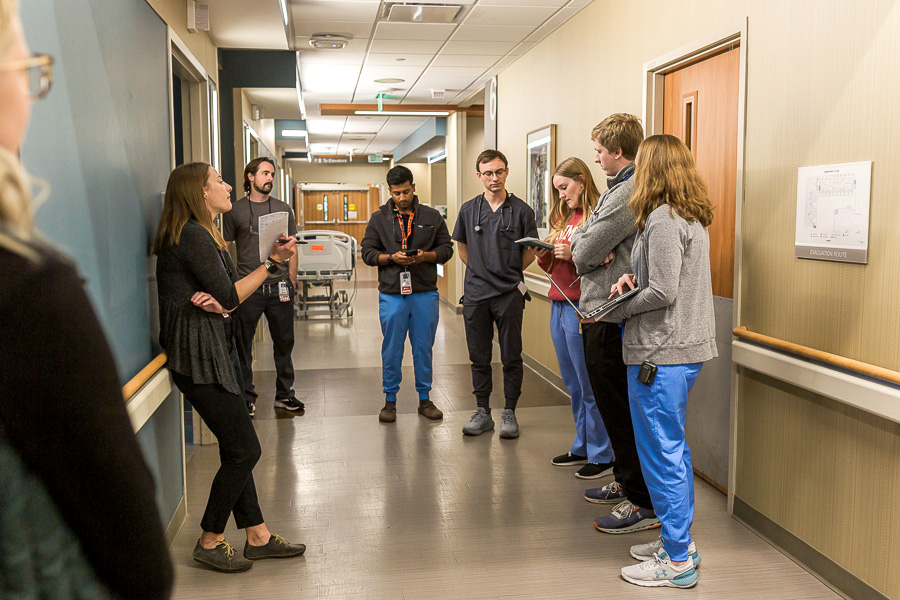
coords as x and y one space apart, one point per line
222 557
509 428
480 422
644 552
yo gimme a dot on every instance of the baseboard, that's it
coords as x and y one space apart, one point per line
177 521
455 307
823 568
545 373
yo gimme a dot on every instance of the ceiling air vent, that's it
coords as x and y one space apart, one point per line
410 12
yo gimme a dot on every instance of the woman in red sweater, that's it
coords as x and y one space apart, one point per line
574 197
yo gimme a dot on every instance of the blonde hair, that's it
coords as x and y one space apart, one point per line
185 201
665 173
620 131
560 213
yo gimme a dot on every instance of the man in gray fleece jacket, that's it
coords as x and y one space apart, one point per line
601 251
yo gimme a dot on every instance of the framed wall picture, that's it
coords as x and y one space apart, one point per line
541 153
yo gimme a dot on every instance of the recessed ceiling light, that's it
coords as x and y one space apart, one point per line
389 80
327 41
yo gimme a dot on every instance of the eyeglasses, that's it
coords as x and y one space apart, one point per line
490 174
40 73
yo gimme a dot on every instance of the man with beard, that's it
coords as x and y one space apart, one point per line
275 296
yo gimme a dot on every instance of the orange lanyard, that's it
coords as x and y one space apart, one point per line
408 232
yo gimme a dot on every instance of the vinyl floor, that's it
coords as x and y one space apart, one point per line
415 510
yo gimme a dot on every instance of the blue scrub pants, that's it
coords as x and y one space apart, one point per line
658 414
417 315
591 439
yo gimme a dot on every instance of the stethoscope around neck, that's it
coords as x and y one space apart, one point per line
479 228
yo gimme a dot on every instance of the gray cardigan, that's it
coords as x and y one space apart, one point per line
194 339
610 228
671 320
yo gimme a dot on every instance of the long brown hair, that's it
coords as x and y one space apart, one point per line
560 213
185 201
665 173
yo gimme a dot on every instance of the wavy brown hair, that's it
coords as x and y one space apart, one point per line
560 213
185 202
665 173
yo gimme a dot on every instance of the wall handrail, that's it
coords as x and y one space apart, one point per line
842 362
143 376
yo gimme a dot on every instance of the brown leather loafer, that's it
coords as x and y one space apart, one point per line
428 410
276 547
388 414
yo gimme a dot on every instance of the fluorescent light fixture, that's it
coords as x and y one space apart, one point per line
284 11
295 133
440 155
403 113
540 142
300 89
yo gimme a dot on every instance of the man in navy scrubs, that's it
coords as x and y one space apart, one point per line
486 231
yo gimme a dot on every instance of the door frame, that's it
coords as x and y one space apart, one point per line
653 102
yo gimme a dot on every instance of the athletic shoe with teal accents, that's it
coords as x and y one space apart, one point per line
644 552
660 572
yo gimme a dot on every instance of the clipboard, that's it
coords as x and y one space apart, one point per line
531 242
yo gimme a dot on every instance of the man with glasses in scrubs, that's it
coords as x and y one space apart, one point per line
486 231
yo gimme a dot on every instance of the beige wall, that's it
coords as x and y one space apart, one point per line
810 100
351 174
174 13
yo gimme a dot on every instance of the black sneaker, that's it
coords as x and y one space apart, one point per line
594 470
251 409
222 557
276 547
291 404
569 460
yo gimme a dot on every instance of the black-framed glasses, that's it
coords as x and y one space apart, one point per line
39 68
498 173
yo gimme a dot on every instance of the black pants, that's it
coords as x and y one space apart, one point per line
233 490
506 311
609 381
280 316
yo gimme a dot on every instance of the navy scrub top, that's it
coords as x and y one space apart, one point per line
495 260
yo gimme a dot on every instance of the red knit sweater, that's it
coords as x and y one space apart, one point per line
563 271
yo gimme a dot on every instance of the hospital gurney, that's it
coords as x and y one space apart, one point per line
324 257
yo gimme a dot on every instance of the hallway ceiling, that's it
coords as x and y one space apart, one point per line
457 58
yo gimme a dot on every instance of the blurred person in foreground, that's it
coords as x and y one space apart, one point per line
77 501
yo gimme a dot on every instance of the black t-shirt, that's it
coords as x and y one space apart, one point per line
241 225
495 260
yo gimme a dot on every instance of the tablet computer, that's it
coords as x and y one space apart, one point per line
535 243
607 307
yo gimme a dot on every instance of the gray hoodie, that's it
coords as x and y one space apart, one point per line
671 320
610 228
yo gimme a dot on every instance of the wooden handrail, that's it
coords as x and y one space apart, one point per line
826 357
130 388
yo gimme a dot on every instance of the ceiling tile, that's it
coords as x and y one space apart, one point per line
414 31
326 126
468 72
444 83
561 17
463 60
405 46
328 78
540 33
522 48
510 15
348 29
333 10
370 124
407 73
488 33
517 3
409 60
334 57
497 49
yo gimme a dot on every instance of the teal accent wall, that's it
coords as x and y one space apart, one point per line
101 142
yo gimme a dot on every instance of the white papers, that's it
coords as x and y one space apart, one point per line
833 212
271 227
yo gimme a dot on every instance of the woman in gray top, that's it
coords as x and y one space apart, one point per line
669 333
198 289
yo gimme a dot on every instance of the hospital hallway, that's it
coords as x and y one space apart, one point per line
415 510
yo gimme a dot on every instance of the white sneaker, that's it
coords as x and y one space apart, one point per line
644 552
660 572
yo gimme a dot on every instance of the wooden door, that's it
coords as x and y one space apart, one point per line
347 211
701 108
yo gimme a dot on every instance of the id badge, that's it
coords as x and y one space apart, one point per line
283 294
405 282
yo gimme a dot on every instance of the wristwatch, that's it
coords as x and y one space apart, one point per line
271 265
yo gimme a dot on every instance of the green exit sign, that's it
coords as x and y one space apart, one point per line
375 158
